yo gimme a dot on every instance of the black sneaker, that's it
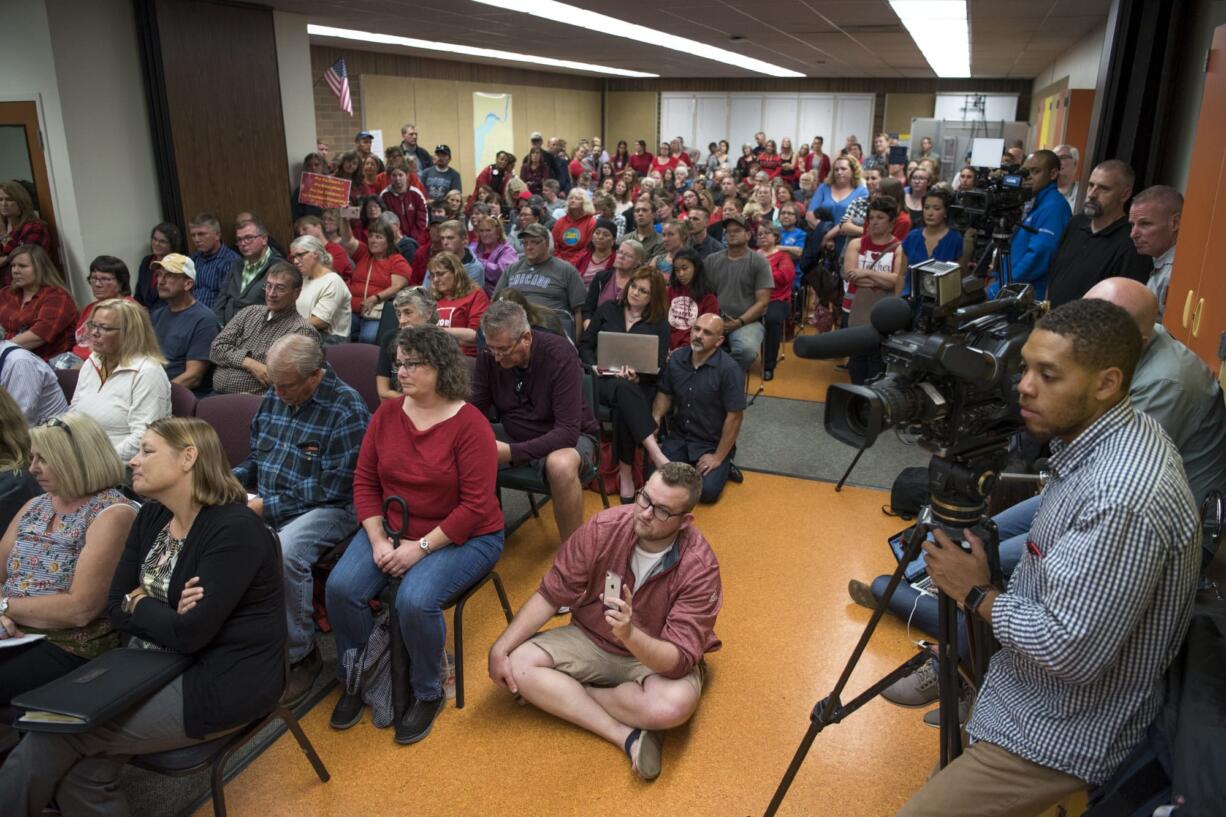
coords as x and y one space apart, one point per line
418 721
348 711
734 474
302 675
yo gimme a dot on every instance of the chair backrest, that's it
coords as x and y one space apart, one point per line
182 401
68 381
355 363
231 415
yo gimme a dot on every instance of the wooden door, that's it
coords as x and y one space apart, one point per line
22 159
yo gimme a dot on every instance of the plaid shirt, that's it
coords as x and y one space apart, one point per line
250 335
1098 606
304 457
33 231
51 314
211 271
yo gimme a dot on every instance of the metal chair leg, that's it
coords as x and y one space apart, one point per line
458 636
536 512
304 743
218 783
502 597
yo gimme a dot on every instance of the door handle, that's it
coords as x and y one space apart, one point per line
1187 308
1200 310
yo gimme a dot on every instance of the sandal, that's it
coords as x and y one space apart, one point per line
645 757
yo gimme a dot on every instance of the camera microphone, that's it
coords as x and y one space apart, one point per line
891 315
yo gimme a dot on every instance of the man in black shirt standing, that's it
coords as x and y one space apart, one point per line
1096 244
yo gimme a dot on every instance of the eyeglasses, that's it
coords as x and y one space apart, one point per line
661 513
102 279
100 328
499 354
298 256
243 239
279 289
411 365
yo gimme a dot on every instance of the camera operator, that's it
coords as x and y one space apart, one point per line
1036 240
1096 246
1097 607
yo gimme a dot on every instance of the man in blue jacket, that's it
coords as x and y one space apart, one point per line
1032 249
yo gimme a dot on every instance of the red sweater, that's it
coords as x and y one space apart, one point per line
450 483
571 237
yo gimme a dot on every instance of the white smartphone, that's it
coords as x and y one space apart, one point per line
612 588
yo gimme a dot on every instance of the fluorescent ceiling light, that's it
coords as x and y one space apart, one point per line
602 23
467 50
940 30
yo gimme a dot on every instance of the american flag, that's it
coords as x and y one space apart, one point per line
338 81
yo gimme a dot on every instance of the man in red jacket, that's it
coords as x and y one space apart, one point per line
572 232
628 667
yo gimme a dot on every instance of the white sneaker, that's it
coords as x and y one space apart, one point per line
448 671
920 688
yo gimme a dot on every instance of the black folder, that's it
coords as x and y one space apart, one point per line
95 693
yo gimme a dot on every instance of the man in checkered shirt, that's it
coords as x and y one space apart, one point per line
1098 605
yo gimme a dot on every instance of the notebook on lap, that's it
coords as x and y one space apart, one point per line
93 694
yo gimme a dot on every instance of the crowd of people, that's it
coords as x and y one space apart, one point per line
488 307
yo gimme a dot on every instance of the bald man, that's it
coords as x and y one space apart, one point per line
1035 243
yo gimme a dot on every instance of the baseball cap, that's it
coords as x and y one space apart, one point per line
443 149
536 137
737 219
524 195
534 231
364 134
176 264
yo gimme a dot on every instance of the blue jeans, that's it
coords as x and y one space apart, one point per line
677 450
304 539
1013 525
424 591
365 330
744 343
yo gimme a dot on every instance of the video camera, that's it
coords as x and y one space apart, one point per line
994 206
952 363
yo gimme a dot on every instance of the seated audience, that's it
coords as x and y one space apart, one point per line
534 381
538 316
19 225
791 237
492 250
244 281
453 238
413 306
108 278
164 240
698 220
239 351
17 484
700 399
381 272
1087 678
313 226
1154 217
874 267
37 311
674 237
123 384
545 279
573 229
1097 244
454 532
600 251
31 382
304 448
608 285
644 228
58 553
199 576
459 302
934 241
689 296
641 309
325 301
783 272
212 258
185 328
742 281
626 668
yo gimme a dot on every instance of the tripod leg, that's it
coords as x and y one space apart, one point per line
847 473
951 729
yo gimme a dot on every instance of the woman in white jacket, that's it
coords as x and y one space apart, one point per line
123 384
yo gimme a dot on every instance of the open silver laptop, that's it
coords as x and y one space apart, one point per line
617 349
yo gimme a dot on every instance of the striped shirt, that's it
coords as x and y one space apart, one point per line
211 271
1098 606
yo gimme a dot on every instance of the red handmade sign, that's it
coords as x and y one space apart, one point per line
324 191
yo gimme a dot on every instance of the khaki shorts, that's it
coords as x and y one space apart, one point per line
576 655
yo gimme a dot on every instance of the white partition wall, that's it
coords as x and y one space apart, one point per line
702 118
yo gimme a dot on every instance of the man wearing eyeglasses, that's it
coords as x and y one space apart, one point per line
630 667
243 285
240 350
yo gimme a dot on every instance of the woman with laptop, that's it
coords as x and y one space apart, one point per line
628 372
200 576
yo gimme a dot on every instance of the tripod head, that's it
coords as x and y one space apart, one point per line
961 479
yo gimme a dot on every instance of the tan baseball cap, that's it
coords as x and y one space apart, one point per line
176 264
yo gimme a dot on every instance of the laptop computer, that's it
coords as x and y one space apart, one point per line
617 349
94 693
915 573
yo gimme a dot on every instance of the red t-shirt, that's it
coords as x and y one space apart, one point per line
641 163
683 311
450 483
375 274
662 164
51 315
464 313
770 162
571 236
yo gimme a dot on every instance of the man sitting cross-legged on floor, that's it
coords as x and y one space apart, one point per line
628 672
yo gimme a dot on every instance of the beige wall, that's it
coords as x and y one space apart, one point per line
631 115
900 109
297 96
443 113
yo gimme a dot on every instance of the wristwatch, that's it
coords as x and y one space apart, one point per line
975 597
424 544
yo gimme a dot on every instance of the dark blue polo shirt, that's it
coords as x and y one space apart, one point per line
702 397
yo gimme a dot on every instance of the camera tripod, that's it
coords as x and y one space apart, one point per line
960 483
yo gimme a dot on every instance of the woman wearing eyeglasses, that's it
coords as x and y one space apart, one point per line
108 278
455 526
325 301
37 311
58 553
123 384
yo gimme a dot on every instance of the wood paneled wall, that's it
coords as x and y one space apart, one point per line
223 112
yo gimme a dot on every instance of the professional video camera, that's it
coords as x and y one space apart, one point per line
992 210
